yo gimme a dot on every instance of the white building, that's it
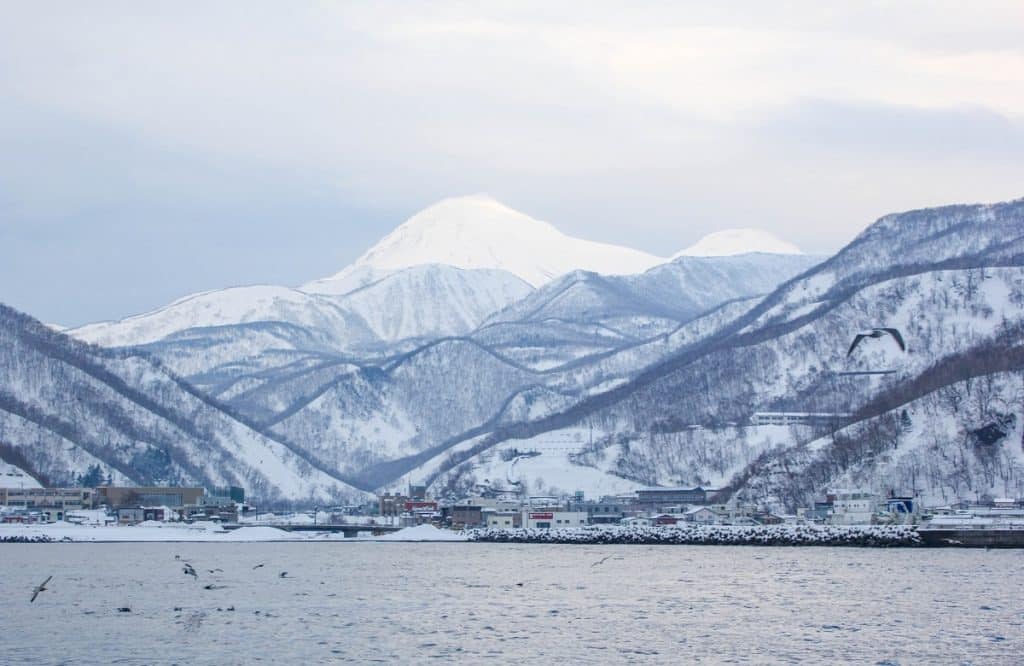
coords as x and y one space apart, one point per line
701 515
503 519
796 418
554 520
853 508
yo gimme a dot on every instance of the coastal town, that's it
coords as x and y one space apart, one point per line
655 507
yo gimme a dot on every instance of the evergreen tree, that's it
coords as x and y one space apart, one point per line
92 477
906 425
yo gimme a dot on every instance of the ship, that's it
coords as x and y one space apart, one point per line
992 528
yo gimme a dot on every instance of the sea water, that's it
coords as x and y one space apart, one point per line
502 603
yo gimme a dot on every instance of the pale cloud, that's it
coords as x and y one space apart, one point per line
646 124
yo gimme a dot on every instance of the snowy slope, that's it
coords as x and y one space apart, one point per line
216 358
676 291
696 284
581 297
12 476
260 327
354 418
238 305
730 242
348 280
432 300
372 322
479 232
959 442
549 468
691 426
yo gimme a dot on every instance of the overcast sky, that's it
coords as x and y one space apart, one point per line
148 151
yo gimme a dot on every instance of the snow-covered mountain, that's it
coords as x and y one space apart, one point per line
479 232
370 419
67 408
237 305
422 301
630 308
729 242
441 273
407 363
949 278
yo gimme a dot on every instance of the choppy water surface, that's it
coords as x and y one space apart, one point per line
471 603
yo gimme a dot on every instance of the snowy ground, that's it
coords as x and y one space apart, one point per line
545 466
306 518
551 470
200 531
15 477
423 533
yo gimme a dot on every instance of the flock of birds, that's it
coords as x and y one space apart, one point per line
187 569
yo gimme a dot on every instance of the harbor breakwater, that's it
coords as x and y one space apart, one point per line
26 539
872 536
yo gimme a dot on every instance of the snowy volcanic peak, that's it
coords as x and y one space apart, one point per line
479 232
731 242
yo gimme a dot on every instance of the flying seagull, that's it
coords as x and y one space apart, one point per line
40 588
189 571
877 333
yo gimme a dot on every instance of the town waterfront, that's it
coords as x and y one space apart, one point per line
426 602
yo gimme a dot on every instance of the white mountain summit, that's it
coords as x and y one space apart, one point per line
729 242
478 232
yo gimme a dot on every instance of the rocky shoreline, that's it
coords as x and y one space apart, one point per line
26 539
869 536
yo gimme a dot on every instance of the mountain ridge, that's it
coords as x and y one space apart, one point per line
643 362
